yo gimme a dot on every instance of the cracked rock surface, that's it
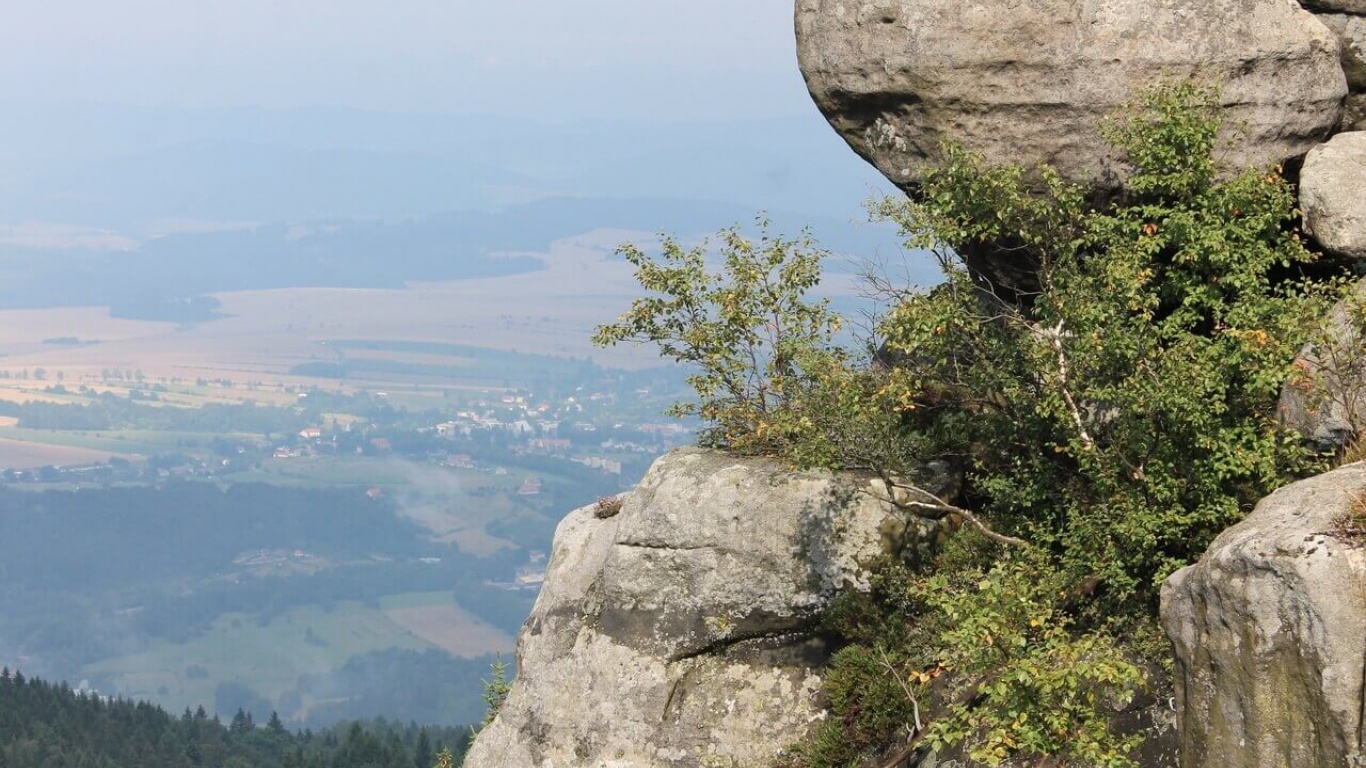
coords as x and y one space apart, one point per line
1269 631
679 632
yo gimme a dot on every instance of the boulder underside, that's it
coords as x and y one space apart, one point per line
1029 82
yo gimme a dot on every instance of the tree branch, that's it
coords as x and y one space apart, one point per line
917 730
1054 337
915 703
935 504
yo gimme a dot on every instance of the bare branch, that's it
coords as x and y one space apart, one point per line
915 703
932 503
1054 337
917 729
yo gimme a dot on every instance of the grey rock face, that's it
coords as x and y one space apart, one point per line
1333 194
1269 631
1351 32
1354 113
1028 81
679 632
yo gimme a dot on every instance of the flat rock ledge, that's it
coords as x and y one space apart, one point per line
680 632
1269 633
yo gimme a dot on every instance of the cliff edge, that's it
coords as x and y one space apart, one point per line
681 631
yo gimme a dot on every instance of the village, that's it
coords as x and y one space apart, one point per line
502 432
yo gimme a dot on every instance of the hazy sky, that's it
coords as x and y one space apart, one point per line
546 58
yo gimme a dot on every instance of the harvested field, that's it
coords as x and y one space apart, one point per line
265 333
452 629
17 454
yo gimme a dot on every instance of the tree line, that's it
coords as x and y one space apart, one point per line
47 725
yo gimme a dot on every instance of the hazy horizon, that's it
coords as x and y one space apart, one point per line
127 116
306 289
594 58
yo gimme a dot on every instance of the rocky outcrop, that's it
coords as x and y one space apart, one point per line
1345 19
1269 630
680 631
1028 82
1333 194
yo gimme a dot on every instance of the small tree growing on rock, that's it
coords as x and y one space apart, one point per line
750 335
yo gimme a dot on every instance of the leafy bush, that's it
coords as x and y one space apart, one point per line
1108 422
747 331
1125 414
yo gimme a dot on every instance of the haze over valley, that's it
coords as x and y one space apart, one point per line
295 384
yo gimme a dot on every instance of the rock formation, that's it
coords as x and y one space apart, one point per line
1269 630
1028 82
1333 194
1345 19
680 632
1326 401
1351 32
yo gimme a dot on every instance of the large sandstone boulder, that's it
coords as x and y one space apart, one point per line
679 632
1027 81
1333 194
1269 631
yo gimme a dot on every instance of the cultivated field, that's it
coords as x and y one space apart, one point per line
23 454
434 617
552 311
269 657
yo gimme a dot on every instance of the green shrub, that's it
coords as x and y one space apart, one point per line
747 331
1107 425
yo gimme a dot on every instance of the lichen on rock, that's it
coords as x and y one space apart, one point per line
1269 631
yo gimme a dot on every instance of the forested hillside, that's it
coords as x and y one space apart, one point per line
43 725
